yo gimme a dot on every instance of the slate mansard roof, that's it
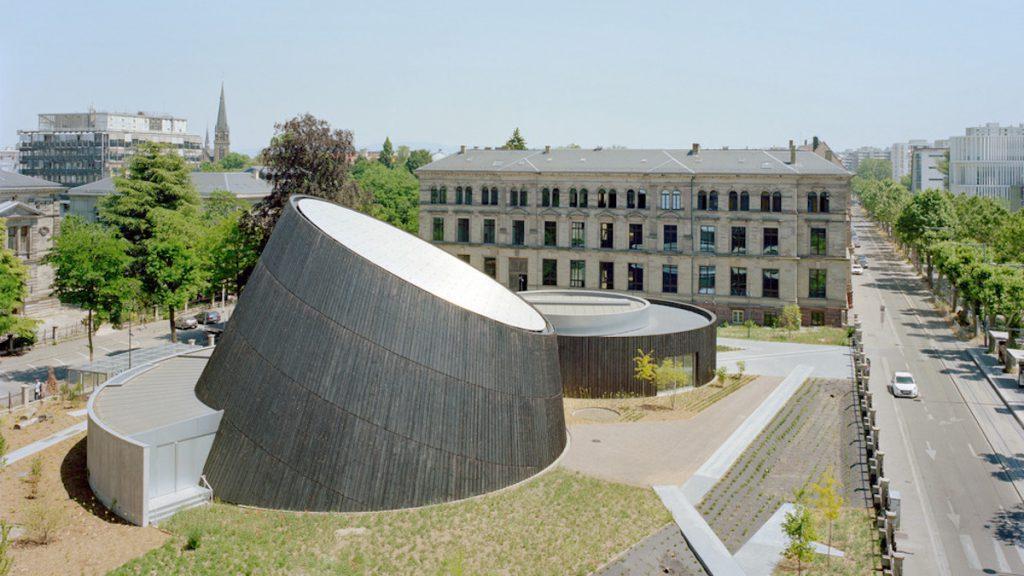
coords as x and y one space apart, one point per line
641 161
241 184
15 181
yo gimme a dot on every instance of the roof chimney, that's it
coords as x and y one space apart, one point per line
547 149
462 149
792 152
696 148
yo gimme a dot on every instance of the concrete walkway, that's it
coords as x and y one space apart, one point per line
706 545
719 463
760 555
778 358
1005 385
26 451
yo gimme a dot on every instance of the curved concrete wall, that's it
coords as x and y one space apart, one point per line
602 366
345 388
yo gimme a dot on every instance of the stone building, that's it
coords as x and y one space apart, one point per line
740 232
30 208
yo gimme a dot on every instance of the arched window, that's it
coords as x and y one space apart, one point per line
468 197
766 202
602 198
702 200
556 199
744 201
458 194
713 201
524 198
513 197
812 202
612 201
433 194
545 197
494 196
630 199
574 198
734 201
641 200
776 201
583 198
666 200
442 195
677 200
823 202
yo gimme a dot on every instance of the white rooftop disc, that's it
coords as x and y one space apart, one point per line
421 264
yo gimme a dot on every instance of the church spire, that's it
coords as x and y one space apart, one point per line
221 132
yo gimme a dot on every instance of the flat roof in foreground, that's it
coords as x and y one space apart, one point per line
594 313
421 264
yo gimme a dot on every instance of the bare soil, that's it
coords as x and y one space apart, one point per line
682 405
57 419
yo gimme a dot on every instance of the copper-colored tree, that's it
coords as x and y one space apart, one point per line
305 156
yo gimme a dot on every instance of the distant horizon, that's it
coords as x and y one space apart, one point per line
744 74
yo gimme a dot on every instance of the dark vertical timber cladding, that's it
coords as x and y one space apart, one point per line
346 388
602 366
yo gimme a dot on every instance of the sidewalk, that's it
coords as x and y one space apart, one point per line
1005 385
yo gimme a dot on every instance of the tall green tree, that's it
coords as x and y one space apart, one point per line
874 169
798 526
13 291
1008 238
90 265
387 154
929 217
395 194
418 158
230 252
516 141
175 262
305 156
978 218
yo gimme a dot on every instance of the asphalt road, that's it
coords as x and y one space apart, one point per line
956 455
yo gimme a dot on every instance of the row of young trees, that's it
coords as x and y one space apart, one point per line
972 246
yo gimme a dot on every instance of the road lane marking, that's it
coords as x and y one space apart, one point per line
104 348
86 356
953 516
1020 552
970 552
973 451
931 451
1004 566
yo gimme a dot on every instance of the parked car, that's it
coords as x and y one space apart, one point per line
208 317
903 385
186 323
856 269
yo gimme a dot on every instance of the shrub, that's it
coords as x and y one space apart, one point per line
721 374
6 562
42 522
193 539
35 474
791 317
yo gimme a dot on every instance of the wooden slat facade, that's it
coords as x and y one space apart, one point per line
603 367
345 388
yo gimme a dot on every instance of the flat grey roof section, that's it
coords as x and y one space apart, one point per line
421 264
241 184
595 313
162 395
582 304
644 161
666 320
15 181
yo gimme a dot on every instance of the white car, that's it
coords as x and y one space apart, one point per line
903 385
856 269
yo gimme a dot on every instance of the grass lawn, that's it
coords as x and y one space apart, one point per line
853 533
560 523
806 335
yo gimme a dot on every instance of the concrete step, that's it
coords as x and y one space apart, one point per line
163 507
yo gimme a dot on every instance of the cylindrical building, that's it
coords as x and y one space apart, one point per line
365 369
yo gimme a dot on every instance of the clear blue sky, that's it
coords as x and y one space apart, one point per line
655 74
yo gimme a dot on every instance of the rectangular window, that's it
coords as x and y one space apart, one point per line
635 276
670 238
463 230
550 233
488 231
770 244
578 235
819 242
577 273
641 200
817 318
666 200
607 235
817 280
438 230
706 280
464 258
518 232
636 236
607 275
549 275
770 283
491 266
770 319
670 278
737 281
738 316
707 239
738 243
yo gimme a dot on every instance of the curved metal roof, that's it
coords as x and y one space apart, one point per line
421 264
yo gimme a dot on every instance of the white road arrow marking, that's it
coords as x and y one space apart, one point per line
953 516
930 450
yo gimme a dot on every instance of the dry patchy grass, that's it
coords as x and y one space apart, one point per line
680 406
829 335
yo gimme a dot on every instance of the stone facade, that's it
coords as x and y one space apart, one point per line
672 199
30 208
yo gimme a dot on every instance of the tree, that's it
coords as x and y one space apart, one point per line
305 156
230 252
1004 291
401 157
1008 238
516 141
90 265
174 262
874 169
387 154
13 292
222 204
418 158
827 499
644 366
799 529
791 318
395 194
928 217
671 374
234 161
977 217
